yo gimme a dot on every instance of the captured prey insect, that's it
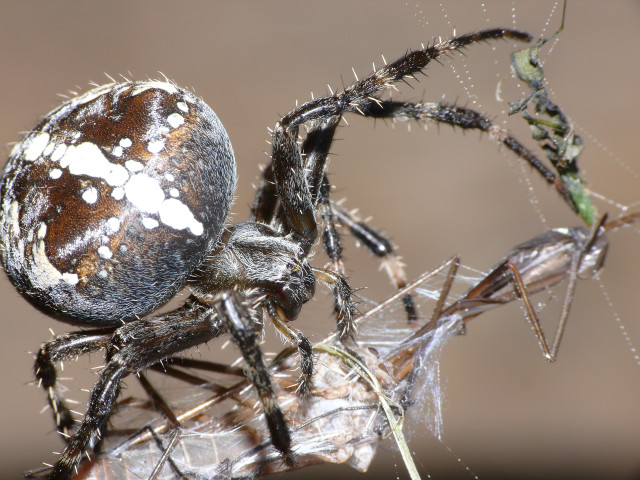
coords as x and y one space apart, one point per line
573 253
118 199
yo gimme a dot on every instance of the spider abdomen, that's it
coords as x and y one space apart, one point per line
113 199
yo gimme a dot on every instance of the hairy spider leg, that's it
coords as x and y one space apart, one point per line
467 119
129 352
231 311
74 344
281 322
58 349
315 151
90 431
266 208
379 245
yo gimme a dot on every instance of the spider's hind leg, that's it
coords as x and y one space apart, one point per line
142 343
62 347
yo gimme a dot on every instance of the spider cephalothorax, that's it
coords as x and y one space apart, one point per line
119 198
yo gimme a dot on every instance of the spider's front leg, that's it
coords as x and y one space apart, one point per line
321 115
466 119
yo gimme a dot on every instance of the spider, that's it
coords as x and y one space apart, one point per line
118 199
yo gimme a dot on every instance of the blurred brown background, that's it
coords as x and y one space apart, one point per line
507 413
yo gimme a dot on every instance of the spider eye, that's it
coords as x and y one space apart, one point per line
113 199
